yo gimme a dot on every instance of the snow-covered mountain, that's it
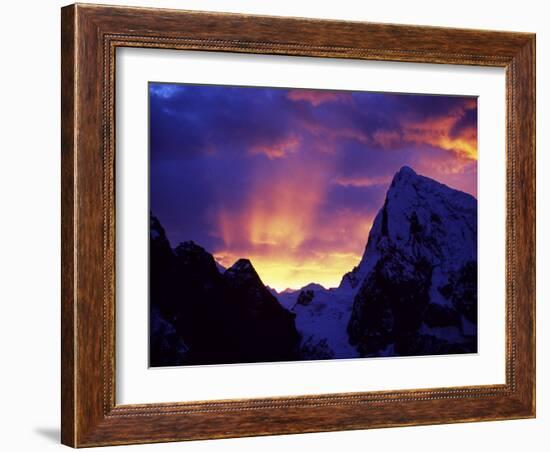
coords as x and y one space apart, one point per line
415 288
417 281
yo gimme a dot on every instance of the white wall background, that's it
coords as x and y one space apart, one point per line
29 225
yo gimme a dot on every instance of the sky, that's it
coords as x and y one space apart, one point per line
293 178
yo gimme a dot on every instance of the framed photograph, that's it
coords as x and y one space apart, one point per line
281 225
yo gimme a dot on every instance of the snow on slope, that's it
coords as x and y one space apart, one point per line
421 221
418 277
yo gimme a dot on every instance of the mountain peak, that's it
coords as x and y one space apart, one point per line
417 277
242 265
189 253
190 248
421 216
406 171
404 176
313 286
242 269
419 209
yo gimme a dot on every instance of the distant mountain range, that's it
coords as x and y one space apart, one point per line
414 292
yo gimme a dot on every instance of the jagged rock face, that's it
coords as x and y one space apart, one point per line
417 281
389 307
220 318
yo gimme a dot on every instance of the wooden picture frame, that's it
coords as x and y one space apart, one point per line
90 36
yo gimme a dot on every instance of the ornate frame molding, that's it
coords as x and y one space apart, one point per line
90 37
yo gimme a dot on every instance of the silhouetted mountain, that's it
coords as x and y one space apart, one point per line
200 316
417 281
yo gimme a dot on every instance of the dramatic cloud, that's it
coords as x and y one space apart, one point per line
277 149
292 178
452 133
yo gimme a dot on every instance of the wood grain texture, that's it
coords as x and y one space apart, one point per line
90 36
67 224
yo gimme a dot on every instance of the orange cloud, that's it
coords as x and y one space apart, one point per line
278 149
439 132
444 132
317 97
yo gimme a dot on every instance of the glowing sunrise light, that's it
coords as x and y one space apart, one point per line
292 179
283 243
285 272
